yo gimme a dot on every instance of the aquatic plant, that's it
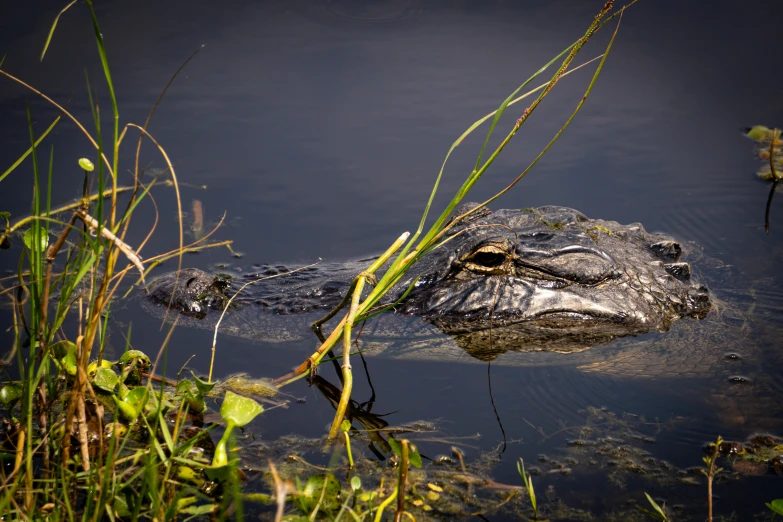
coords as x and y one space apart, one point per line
84 431
710 471
527 479
776 506
658 513
769 151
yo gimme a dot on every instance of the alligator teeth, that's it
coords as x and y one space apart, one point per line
681 271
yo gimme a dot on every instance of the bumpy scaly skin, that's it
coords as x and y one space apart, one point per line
527 280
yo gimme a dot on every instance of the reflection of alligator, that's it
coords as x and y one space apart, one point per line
546 279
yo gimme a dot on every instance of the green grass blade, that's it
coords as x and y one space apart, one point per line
30 150
51 31
589 89
505 103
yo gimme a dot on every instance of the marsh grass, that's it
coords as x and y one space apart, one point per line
75 456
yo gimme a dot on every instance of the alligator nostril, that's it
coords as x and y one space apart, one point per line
681 271
667 250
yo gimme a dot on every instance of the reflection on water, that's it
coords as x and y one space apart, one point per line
319 127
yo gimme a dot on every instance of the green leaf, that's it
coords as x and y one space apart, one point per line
132 355
345 425
187 474
68 363
184 502
126 411
414 458
356 483
776 506
61 348
219 473
762 133
133 403
30 150
239 410
203 386
86 164
120 507
30 235
203 509
192 395
10 394
323 488
656 507
92 368
139 362
46 46
105 379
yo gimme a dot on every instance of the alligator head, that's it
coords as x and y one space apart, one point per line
552 279
524 280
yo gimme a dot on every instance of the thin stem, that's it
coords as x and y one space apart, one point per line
345 397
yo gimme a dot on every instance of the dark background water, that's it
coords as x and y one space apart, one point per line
318 129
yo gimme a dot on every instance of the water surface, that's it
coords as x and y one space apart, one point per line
317 128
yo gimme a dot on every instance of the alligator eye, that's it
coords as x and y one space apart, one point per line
487 259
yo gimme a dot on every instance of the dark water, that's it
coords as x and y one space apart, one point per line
318 129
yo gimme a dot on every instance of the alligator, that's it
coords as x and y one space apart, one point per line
545 279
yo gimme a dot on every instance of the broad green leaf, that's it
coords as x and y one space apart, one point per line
239 410
196 403
133 403
776 506
126 411
92 368
132 355
29 238
154 406
356 483
185 386
203 386
61 348
10 394
414 458
68 363
140 363
219 473
105 379
323 487
187 474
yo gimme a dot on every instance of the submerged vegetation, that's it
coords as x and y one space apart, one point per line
84 437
